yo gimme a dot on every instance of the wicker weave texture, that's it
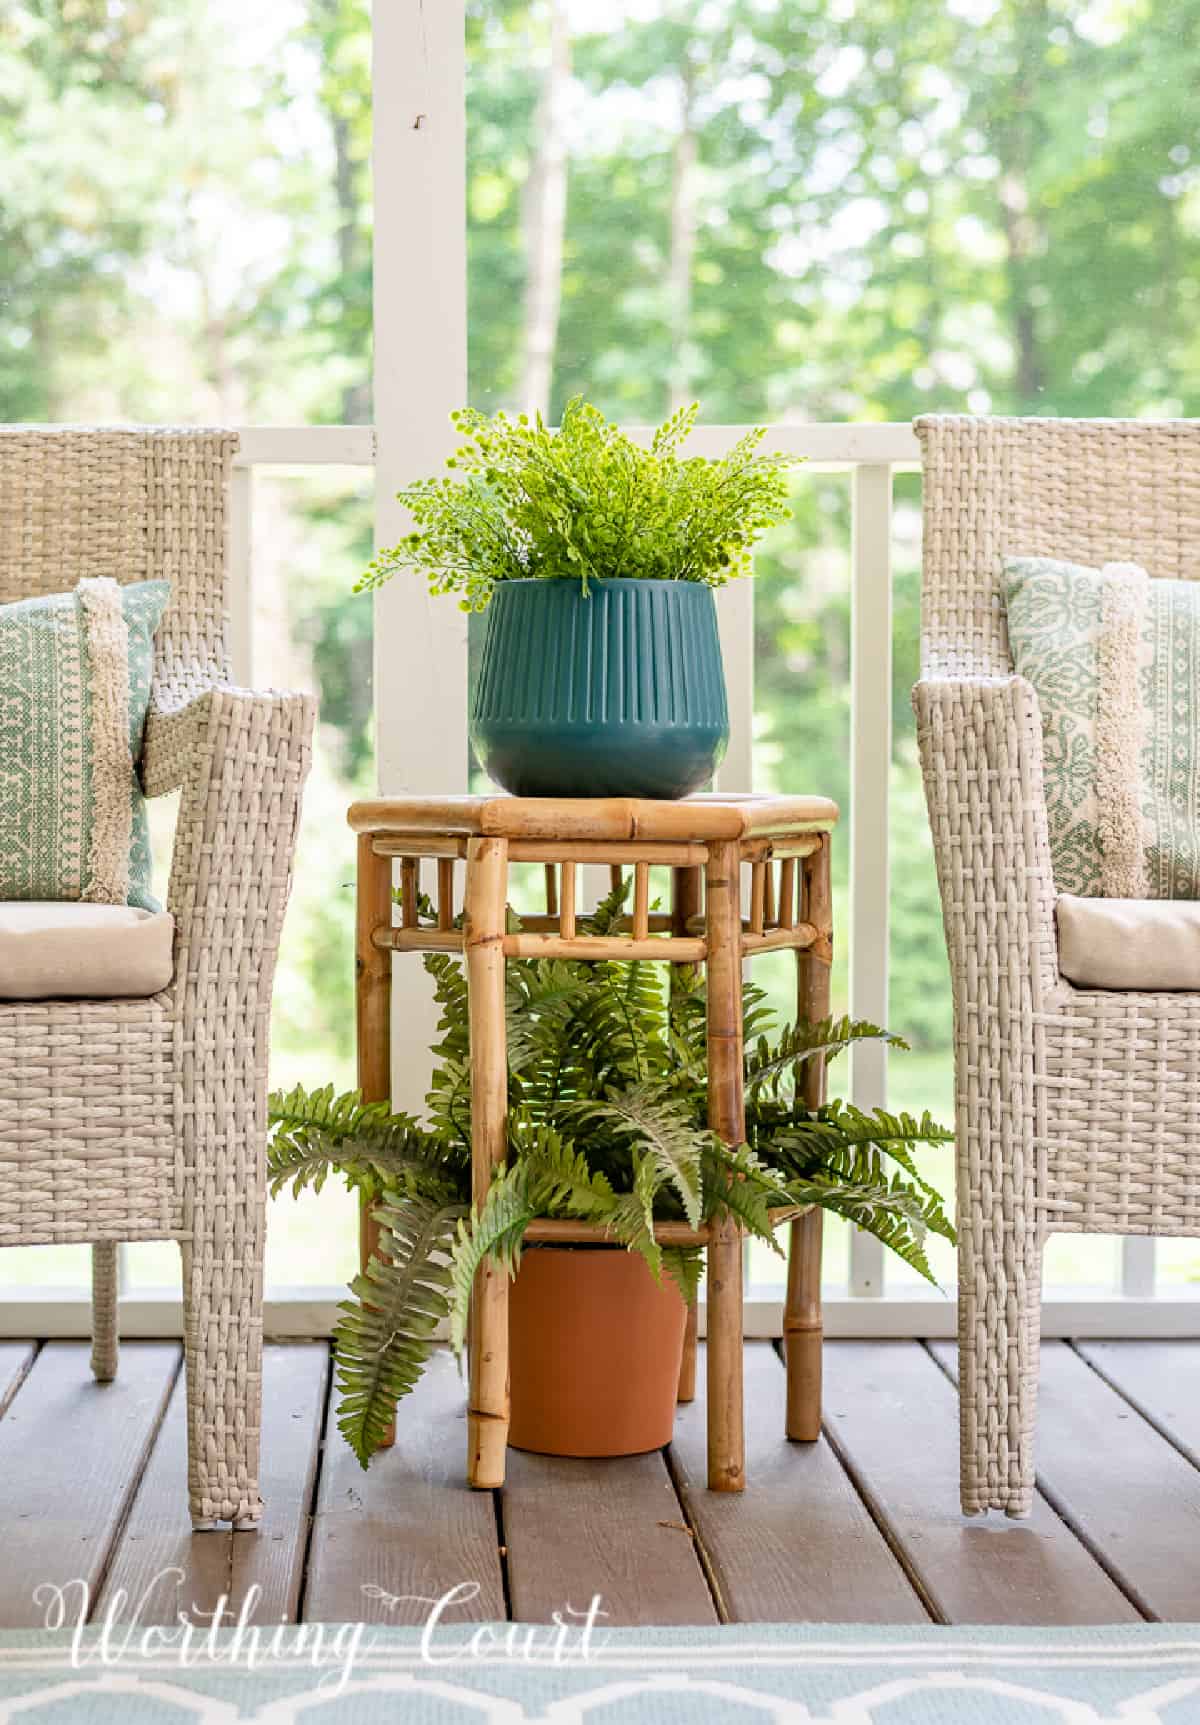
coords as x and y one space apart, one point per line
1076 1110
146 1119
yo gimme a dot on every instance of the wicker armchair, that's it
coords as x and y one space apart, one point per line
1077 1110
144 1119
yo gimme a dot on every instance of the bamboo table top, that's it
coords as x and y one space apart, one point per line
706 816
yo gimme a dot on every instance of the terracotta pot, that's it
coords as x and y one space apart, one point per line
594 1350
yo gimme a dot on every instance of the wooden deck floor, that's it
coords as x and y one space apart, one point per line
860 1527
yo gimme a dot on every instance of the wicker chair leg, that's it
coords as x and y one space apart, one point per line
104 1311
999 1348
222 1330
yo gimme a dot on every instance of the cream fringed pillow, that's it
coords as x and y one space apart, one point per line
1115 660
75 673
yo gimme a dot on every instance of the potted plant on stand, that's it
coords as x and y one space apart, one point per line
606 1125
596 561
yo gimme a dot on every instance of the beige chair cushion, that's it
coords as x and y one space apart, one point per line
83 951
1129 943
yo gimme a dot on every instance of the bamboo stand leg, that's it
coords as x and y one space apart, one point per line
487 1408
726 1115
802 1323
687 1362
373 1014
687 897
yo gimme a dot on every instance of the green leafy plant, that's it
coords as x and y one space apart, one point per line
607 1123
584 503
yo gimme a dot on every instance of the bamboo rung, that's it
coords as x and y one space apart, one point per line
566 924
546 1229
667 948
551 890
410 881
660 853
581 1233
418 845
445 892
641 901
540 923
798 938
799 845
418 939
758 896
787 892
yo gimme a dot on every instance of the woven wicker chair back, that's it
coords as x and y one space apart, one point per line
1090 491
137 505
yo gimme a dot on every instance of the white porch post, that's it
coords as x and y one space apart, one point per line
420 376
870 764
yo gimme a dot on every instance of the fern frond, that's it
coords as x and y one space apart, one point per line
450 994
633 1215
608 910
685 1266
384 1336
665 1130
559 1179
881 1206
757 1014
739 1184
838 1130
315 1132
798 1043
496 1231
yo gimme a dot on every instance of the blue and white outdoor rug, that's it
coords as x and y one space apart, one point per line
744 1675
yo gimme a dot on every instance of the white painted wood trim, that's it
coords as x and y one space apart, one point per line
827 445
241 576
305 446
420 377
870 765
290 1314
735 623
1138 1265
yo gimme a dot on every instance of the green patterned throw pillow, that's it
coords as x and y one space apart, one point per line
1115 660
75 673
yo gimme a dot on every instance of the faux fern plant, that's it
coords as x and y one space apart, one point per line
606 1124
586 503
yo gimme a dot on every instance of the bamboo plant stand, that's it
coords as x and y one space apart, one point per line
710 843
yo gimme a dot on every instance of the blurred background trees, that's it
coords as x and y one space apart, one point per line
785 209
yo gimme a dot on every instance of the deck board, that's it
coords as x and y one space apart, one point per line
71 1454
893 1417
163 1568
798 1546
1128 1491
408 1529
15 1360
1160 1379
613 1529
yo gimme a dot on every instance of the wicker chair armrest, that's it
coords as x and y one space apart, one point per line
242 760
176 721
980 741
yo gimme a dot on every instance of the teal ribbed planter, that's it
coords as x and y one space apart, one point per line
621 693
